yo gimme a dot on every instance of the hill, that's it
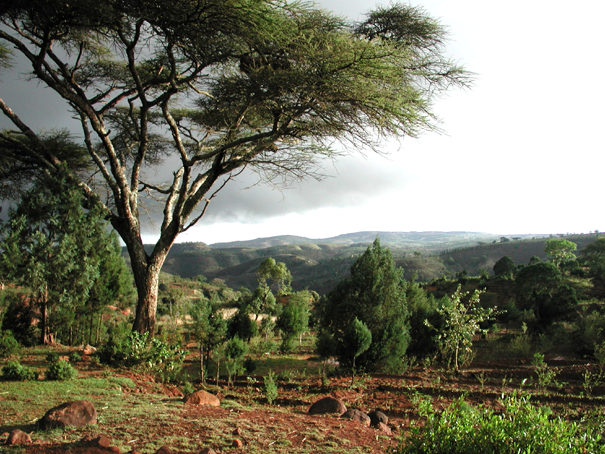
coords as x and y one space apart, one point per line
318 264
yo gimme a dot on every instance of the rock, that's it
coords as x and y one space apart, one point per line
207 451
237 431
377 416
202 397
237 443
99 444
164 450
357 415
88 350
18 437
383 428
76 413
328 405
102 441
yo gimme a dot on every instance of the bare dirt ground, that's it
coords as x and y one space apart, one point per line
152 415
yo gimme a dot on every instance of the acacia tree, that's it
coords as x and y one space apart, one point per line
208 88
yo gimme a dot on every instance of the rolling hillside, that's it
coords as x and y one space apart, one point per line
320 264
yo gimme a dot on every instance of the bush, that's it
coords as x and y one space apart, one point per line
15 371
270 387
52 357
520 427
8 344
135 349
61 370
75 357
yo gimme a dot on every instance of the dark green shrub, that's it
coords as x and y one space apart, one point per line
61 370
15 371
249 365
8 344
520 427
52 357
20 317
75 357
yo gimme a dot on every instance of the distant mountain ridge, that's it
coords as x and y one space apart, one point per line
365 237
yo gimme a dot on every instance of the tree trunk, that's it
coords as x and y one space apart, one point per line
202 363
45 334
146 270
147 300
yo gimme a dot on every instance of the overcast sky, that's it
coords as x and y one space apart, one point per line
522 150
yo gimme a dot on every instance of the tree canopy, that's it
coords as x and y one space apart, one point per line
65 255
205 89
375 294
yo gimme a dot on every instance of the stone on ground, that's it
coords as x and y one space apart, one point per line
328 405
18 437
357 415
377 416
76 413
202 397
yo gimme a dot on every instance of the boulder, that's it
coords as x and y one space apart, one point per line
383 428
207 451
357 415
237 443
328 405
377 416
88 350
164 450
202 397
76 413
18 437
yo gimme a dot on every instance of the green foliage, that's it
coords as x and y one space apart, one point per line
270 387
294 318
187 388
21 317
374 294
519 428
61 370
137 349
560 250
540 288
593 257
235 350
57 250
242 324
504 268
546 376
422 308
461 321
274 276
358 339
287 79
15 371
8 343
589 331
